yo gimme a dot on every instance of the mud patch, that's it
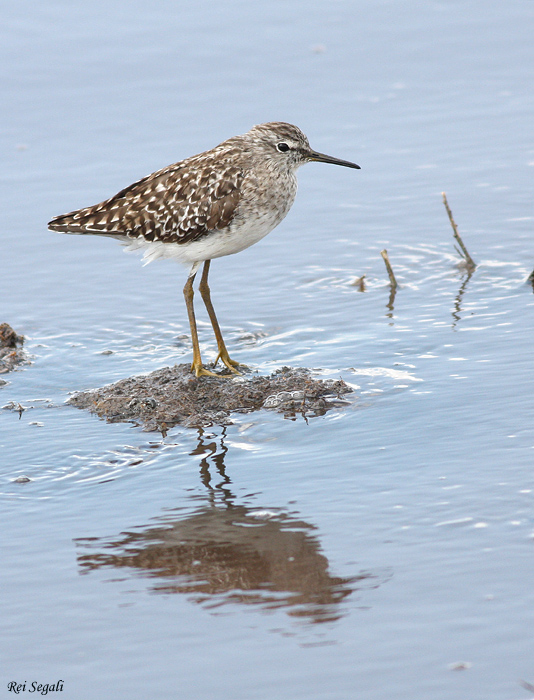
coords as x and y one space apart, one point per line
11 353
173 396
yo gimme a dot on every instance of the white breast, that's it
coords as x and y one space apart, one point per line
256 218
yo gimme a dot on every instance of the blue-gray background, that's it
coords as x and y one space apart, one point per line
424 483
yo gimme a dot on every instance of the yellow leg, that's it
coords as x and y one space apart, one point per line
206 296
196 367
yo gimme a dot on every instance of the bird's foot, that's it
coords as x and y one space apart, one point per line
225 358
203 372
200 371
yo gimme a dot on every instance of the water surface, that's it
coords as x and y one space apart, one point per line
382 550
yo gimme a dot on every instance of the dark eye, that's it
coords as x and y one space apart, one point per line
282 147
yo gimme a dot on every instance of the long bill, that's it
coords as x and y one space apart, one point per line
322 158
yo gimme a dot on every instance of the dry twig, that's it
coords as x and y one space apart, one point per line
392 279
463 252
360 283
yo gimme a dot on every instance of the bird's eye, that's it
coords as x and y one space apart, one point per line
282 147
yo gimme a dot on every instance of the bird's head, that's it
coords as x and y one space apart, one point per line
286 145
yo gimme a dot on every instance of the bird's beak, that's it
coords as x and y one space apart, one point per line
322 158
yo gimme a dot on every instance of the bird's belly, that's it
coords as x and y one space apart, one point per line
240 234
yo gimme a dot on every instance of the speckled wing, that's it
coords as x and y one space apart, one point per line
178 204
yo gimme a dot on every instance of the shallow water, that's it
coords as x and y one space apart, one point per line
382 550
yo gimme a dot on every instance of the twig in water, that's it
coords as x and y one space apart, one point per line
527 686
463 253
392 279
359 282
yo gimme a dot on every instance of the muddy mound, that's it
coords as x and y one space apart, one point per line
11 353
173 396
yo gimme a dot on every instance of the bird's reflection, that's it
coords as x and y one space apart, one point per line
212 450
223 552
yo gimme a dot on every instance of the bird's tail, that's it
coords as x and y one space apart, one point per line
66 223
89 220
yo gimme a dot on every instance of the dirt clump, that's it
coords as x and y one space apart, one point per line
11 353
173 396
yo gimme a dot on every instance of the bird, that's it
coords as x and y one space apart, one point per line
207 206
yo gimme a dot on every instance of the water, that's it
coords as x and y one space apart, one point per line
383 550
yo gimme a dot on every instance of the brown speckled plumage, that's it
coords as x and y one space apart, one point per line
212 204
177 204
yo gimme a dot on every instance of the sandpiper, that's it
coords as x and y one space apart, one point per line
212 204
